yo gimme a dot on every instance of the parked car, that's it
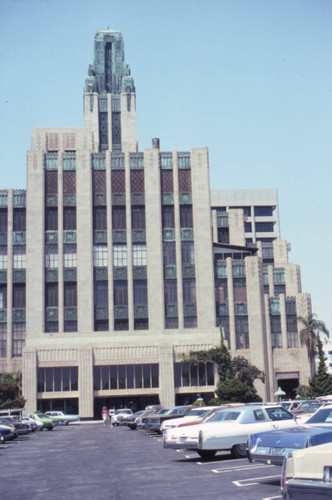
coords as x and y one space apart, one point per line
228 429
44 419
196 415
131 420
272 447
35 425
60 418
307 474
20 427
119 416
154 422
145 415
7 432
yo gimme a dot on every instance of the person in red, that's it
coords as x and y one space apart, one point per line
105 415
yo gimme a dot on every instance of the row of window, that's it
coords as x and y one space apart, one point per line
145 376
18 339
259 211
19 219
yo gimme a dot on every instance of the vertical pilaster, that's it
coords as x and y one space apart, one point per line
204 271
60 244
154 238
29 379
166 376
270 368
129 245
84 204
282 302
85 381
109 242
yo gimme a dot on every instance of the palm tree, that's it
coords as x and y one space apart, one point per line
308 335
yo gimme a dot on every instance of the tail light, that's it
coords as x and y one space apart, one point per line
200 439
284 473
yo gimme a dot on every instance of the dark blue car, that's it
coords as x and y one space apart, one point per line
273 446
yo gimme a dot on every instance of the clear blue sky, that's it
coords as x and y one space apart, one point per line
249 79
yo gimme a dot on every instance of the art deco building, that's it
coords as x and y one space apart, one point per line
115 263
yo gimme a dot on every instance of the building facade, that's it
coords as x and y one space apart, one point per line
116 263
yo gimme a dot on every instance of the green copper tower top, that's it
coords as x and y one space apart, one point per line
109 96
109 73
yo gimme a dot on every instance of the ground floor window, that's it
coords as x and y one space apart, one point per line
125 377
67 405
193 374
57 379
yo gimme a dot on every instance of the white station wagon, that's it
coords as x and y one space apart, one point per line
228 429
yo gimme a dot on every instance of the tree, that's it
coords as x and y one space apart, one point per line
321 383
309 334
11 391
236 376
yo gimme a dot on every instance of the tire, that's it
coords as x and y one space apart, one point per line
206 454
239 450
50 428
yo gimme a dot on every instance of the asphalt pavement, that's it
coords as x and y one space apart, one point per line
90 461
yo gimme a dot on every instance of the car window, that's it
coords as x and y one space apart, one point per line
225 415
259 415
279 414
322 416
198 412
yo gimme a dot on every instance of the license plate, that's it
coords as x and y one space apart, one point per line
183 439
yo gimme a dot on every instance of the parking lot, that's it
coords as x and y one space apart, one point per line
88 460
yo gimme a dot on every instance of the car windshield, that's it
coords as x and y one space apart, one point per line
313 407
304 405
123 411
323 416
224 415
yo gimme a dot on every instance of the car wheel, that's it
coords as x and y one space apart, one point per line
50 428
67 423
239 450
206 454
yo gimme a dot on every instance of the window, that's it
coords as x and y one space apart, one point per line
19 261
51 261
51 295
240 290
18 339
69 178
19 295
223 235
51 182
19 219
276 331
263 211
100 293
166 161
168 216
242 332
189 291
186 216
292 336
120 293
264 227
139 255
3 220
166 181
138 217
221 290
70 260
69 218
3 297
57 379
3 262
169 253
99 181
51 219
70 294
140 292
224 322
188 252
170 291
190 374
119 217
247 227
171 323
3 338
100 256
99 218
119 255
121 324
141 324
137 181
118 182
